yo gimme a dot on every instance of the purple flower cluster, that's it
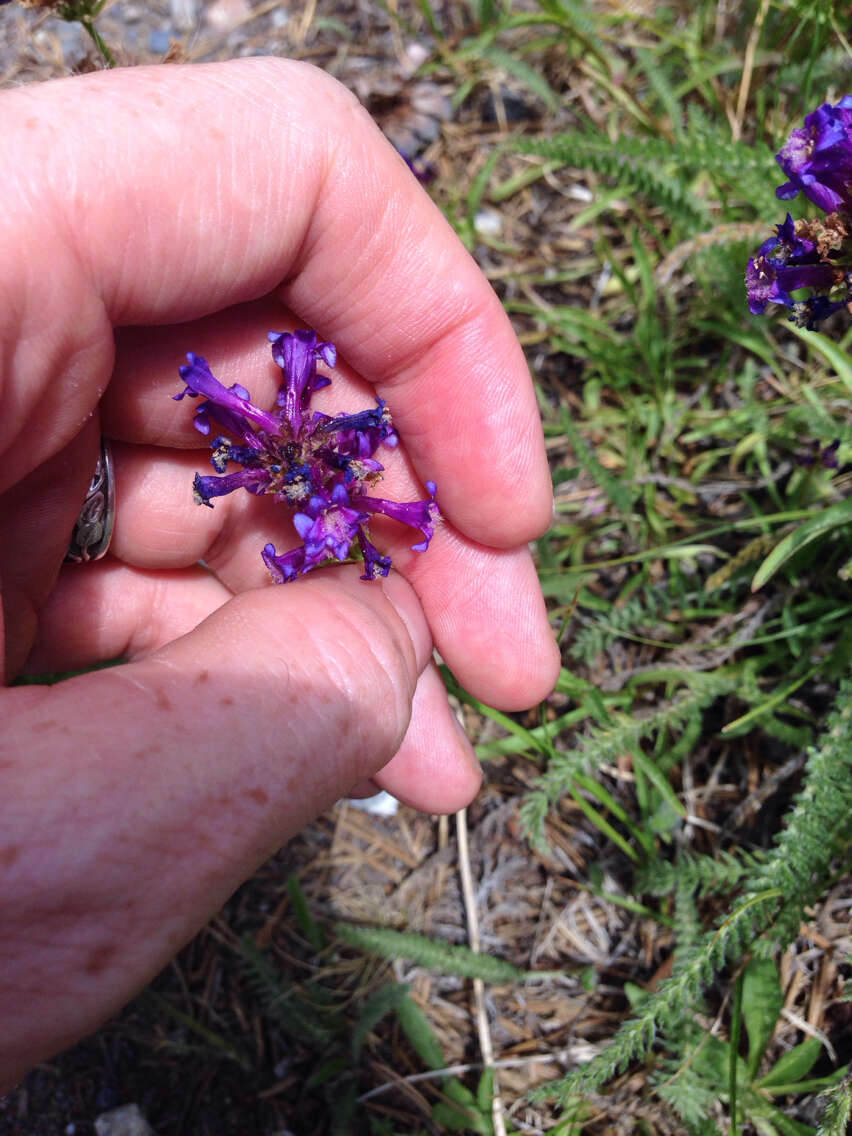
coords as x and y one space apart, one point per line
813 254
321 466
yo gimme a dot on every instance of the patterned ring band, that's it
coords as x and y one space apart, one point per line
93 530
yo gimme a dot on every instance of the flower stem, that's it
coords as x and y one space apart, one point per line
106 54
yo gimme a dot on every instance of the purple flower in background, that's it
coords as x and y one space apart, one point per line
321 466
817 158
826 456
784 263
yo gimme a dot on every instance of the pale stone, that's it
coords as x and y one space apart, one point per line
124 1121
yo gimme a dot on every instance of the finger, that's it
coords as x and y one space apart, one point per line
435 769
184 770
108 610
139 405
484 605
39 512
295 190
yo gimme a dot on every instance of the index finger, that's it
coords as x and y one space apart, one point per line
167 193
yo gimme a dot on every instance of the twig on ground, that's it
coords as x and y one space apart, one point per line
482 1028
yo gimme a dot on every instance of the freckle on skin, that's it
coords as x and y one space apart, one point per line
42 727
226 700
100 958
147 751
9 855
162 701
259 795
204 676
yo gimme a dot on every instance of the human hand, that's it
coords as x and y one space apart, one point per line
196 209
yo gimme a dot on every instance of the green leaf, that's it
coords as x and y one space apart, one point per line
329 1069
444 957
343 1108
835 356
793 1065
313 933
460 1113
521 70
658 779
485 1089
762 1002
451 1118
602 824
418 1029
809 531
382 1002
769 1119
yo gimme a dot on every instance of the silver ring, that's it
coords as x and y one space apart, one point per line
93 530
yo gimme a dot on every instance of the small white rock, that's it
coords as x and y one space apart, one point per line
184 14
416 55
224 14
383 804
124 1121
488 223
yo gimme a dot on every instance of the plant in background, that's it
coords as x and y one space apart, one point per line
84 12
768 896
321 466
812 254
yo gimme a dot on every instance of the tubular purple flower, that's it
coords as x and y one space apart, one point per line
230 406
286 567
328 526
321 466
417 514
203 488
297 354
784 263
769 281
374 563
817 157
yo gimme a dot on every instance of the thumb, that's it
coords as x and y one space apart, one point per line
136 799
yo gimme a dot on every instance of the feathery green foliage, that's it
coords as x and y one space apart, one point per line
644 167
443 957
768 910
625 733
837 1108
304 1012
699 874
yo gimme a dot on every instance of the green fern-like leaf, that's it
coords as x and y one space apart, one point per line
667 173
633 167
443 957
385 999
640 614
772 904
296 1012
837 1108
606 743
703 875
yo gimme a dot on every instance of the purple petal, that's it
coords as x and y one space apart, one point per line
297 354
417 514
254 480
285 567
817 157
374 563
231 407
